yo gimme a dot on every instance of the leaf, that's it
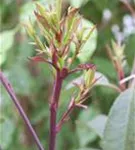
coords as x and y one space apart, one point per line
102 80
90 46
77 80
6 41
105 97
6 130
78 3
26 12
105 66
84 132
5 103
58 6
87 149
20 79
100 6
130 49
64 135
98 124
39 115
120 128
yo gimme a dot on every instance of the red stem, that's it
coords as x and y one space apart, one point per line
53 110
10 91
120 74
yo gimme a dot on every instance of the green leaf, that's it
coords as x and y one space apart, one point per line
20 79
120 128
6 41
101 6
98 124
64 135
39 115
59 5
77 80
87 149
84 132
105 66
90 46
26 12
105 97
130 49
78 3
6 130
102 81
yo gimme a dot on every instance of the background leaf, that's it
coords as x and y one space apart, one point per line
98 124
84 132
26 12
21 79
78 3
6 41
102 80
130 49
87 149
90 46
7 128
120 128
33 82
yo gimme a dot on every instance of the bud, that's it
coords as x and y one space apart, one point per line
118 50
40 9
89 77
61 62
39 43
42 20
30 30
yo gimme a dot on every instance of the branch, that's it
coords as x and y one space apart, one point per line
118 67
82 67
132 82
129 7
11 92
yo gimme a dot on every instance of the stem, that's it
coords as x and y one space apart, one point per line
132 82
53 110
118 67
10 91
129 7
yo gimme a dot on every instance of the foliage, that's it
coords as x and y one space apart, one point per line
109 99
122 113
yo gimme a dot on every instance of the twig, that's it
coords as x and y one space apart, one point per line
118 67
129 7
132 82
11 92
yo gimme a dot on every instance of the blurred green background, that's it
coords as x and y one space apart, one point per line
33 82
